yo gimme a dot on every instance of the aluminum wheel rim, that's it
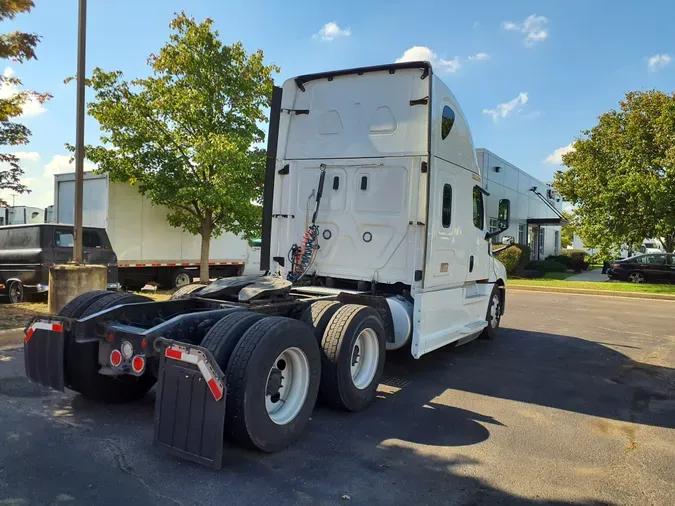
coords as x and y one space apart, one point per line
364 359
15 293
636 277
287 386
494 311
182 280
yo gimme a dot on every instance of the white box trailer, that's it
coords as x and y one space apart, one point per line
375 232
148 249
21 215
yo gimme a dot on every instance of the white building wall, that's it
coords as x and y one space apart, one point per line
514 184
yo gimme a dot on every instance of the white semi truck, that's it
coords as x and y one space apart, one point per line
374 237
148 249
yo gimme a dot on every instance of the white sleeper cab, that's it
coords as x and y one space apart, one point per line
402 210
373 239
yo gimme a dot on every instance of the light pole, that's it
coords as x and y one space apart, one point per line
79 136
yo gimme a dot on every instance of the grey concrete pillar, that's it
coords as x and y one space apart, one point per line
68 281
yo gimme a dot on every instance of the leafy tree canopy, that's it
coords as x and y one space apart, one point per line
621 175
18 47
185 135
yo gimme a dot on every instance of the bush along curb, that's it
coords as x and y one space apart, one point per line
586 291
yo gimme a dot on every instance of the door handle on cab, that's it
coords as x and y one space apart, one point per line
471 263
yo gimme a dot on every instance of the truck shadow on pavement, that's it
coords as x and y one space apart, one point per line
556 371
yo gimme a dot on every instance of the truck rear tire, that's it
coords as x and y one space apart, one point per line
273 380
79 304
112 300
224 335
81 360
353 355
181 278
186 290
318 315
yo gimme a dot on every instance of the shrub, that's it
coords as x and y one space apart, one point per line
514 257
566 260
578 259
510 257
546 266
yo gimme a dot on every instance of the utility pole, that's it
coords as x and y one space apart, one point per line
14 195
79 136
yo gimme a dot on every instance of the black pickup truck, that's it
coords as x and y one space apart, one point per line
27 252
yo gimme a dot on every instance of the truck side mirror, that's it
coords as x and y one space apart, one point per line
503 219
504 215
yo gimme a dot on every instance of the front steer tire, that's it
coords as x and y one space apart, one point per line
248 423
338 348
81 359
493 315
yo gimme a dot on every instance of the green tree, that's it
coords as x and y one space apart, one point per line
17 46
567 233
185 136
621 175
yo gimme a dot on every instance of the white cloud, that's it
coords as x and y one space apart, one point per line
31 107
503 110
60 164
26 155
480 56
332 31
658 61
39 177
532 27
422 53
555 158
476 24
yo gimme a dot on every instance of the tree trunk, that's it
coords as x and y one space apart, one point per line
669 243
204 258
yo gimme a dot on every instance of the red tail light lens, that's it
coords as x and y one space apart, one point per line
138 364
115 358
615 266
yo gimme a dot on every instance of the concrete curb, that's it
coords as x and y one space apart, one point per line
583 291
11 337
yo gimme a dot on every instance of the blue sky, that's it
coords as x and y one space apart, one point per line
545 70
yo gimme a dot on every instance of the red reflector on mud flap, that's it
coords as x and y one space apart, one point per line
54 327
192 356
175 354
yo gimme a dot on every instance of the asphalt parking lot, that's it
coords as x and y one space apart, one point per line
574 403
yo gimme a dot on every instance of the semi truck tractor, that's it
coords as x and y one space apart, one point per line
374 239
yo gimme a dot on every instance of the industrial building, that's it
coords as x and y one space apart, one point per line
535 207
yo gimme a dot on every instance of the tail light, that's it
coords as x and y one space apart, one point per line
138 364
115 358
615 266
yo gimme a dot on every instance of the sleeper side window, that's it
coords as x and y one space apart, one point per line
447 206
447 120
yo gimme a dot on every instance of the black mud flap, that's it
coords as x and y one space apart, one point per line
43 349
190 404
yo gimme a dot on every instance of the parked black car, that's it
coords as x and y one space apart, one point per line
27 252
650 268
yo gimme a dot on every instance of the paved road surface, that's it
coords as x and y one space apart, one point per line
573 403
